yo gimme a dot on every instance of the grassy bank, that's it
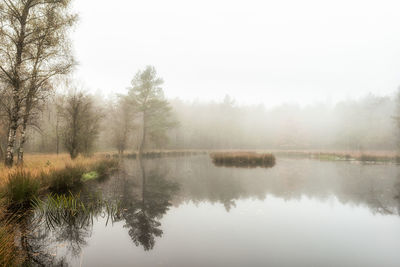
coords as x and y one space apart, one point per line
243 159
41 175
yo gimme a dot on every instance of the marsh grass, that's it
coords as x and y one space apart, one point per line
243 159
367 157
105 167
40 164
20 189
9 252
20 185
378 158
65 179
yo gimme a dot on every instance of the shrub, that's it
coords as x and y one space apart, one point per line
66 179
105 167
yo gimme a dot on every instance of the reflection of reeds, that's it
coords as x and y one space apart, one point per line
70 209
243 159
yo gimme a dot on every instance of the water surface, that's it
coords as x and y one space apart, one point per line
188 212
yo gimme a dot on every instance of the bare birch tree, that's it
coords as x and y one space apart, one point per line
34 48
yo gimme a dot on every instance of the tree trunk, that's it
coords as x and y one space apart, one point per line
57 137
12 134
141 147
20 161
1 152
143 172
17 85
74 153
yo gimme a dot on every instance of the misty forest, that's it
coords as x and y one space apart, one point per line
135 174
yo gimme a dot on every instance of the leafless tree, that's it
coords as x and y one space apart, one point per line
81 122
121 118
34 48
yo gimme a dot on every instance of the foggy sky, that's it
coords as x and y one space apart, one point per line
256 51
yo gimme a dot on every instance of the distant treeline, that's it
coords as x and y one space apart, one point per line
369 123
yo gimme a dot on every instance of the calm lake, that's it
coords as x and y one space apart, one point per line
185 211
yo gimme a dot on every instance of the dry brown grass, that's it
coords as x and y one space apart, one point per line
9 252
37 164
243 159
363 156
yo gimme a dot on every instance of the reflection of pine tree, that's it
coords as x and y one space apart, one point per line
141 217
74 235
143 229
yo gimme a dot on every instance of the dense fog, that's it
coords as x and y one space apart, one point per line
364 124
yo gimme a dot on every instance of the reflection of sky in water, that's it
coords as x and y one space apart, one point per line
301 232
300 213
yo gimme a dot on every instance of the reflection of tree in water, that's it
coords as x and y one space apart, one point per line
55 227
56 223
34 244
142 216
74 236
397 194
373 186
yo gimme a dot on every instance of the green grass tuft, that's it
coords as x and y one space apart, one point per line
20 189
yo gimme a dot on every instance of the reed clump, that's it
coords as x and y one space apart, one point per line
105 167
378 158
65 179
243 159
20 189
368 156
